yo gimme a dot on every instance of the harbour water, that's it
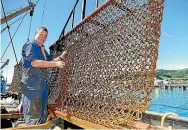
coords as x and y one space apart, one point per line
170 100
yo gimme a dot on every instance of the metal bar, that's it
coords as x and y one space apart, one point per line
89 16
73 18
97 3
105 4
13 22
63 31
83 9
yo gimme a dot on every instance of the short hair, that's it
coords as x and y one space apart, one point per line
43 28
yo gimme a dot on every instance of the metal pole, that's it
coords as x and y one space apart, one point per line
16 13
73 17
97 3
63 31
83 9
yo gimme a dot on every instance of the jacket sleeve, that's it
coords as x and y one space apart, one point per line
32 52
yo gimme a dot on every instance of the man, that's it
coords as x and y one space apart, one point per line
35 61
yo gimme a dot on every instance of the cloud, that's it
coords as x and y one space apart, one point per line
167 35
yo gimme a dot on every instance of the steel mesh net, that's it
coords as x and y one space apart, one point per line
16 83
109 73
110 70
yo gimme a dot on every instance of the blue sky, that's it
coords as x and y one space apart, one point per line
173 45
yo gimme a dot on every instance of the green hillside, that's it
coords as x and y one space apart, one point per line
173 73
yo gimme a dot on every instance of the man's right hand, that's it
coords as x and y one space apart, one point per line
60 64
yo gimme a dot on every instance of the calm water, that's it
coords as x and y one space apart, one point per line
171 100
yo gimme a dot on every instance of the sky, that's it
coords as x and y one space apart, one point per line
173 45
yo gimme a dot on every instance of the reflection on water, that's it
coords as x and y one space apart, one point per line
170 100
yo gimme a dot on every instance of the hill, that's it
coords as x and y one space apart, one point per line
183 73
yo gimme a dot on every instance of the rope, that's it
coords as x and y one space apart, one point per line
29 27
166 115
36 2
13 36
43 12
12 23
9 32
31 14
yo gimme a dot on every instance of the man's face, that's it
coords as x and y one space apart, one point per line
41 37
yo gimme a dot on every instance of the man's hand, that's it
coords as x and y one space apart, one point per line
60 64
51 110
64 55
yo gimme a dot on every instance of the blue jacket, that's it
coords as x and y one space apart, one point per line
33 78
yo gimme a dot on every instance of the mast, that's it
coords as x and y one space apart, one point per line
16 13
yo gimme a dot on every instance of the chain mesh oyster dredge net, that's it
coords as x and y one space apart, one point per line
15 86
110 70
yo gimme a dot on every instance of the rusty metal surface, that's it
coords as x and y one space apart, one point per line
109 74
